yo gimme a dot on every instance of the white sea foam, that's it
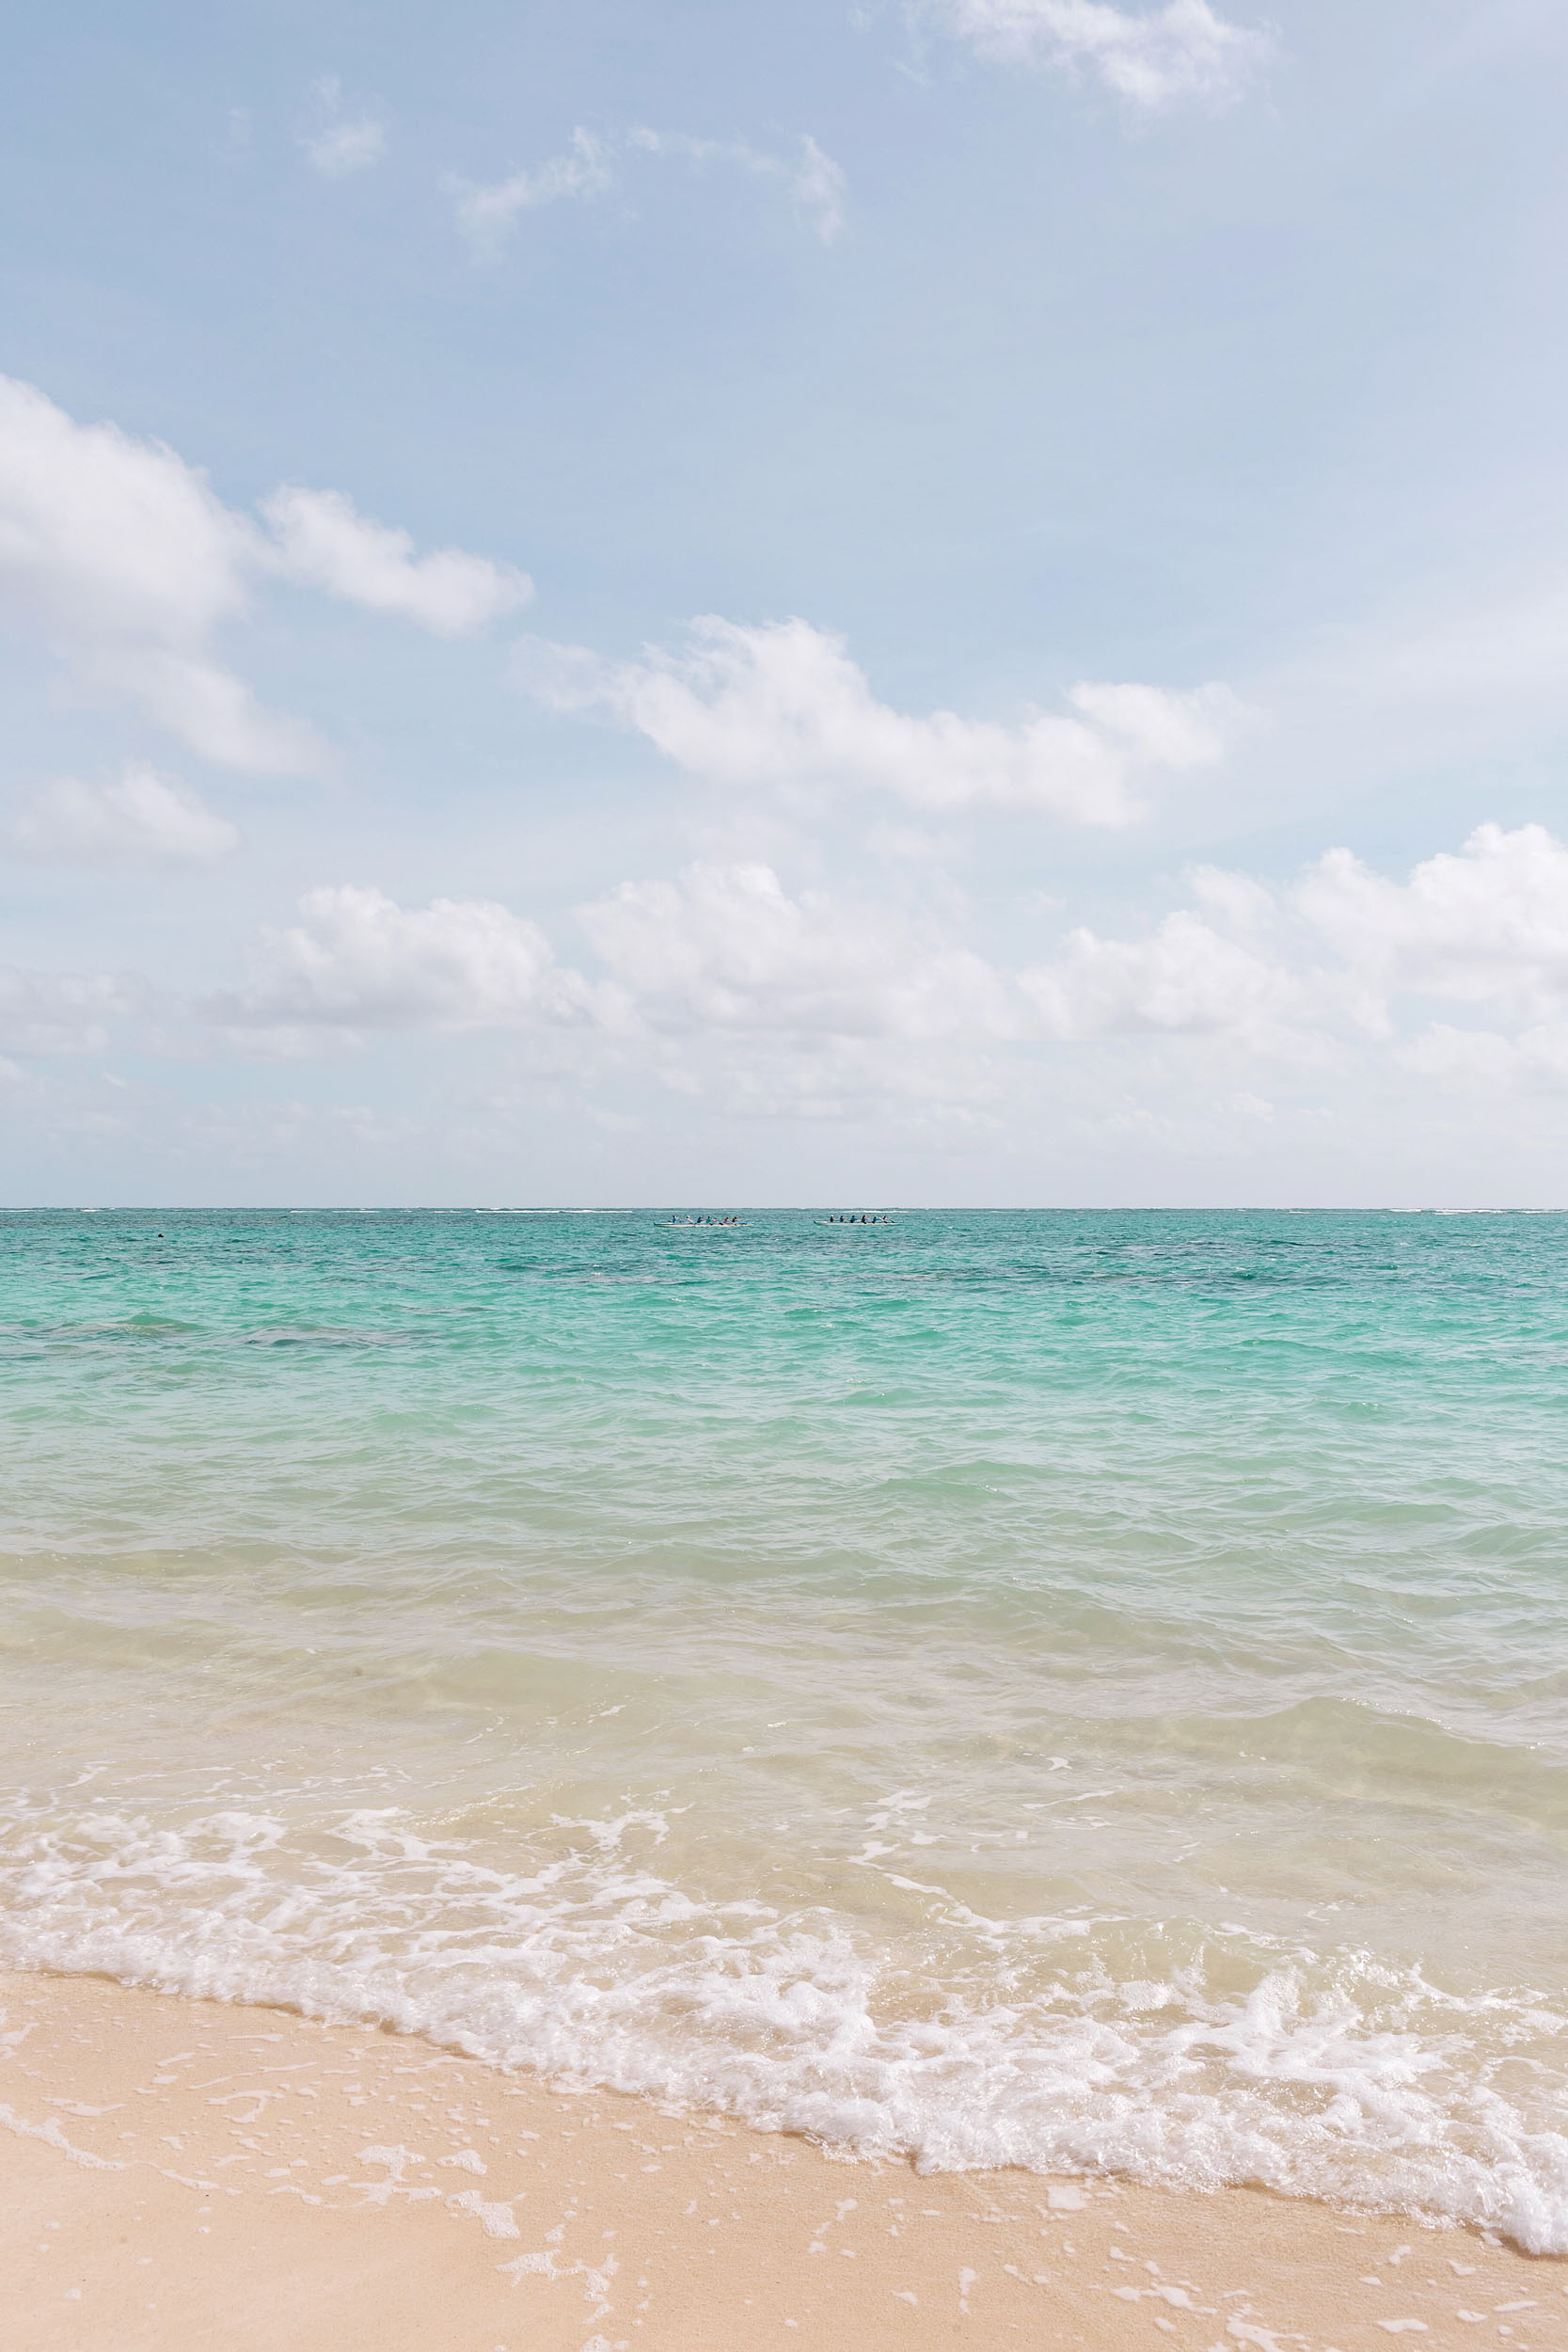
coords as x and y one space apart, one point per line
1329 2075
52 2137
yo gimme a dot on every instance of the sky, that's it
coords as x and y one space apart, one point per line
931 601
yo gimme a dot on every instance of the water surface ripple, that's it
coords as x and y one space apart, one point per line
1056 1689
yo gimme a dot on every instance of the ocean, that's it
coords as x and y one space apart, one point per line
1080 1691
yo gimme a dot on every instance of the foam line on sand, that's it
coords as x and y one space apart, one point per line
179 2173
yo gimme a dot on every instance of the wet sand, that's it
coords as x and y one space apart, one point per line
179 2173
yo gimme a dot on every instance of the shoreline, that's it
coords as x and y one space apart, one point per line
177 2172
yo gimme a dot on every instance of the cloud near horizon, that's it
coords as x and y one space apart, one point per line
1342 952
121 557
782 706
726 947
723 983
356 961
724 957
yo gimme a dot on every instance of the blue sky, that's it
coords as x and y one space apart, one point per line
958 601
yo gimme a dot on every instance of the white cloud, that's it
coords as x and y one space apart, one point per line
118 555
326 543
1482 1062
803 1008
487 214
339 144
818 186
726 948
1343 950
783 705
1248 1008
345 147
726 955
810 1006
357 961
1150 58
1185 979
142 818
1489 924
62 1012
592 166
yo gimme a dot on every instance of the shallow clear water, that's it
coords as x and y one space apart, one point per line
1075 1690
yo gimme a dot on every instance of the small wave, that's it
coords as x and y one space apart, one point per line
1331 2076
151 1330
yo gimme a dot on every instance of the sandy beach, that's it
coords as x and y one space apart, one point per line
179 2173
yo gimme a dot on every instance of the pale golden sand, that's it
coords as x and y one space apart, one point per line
176 2173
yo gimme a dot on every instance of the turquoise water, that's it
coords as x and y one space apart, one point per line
1085 1691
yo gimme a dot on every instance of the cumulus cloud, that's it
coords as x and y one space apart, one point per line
783 705
1344 950
323 543
726 947
1489 924
1187 979
1150 59
119 556
725 950
802 1007
338 143
140 818
816 1006
592 166
725 984
356 961
793 1000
